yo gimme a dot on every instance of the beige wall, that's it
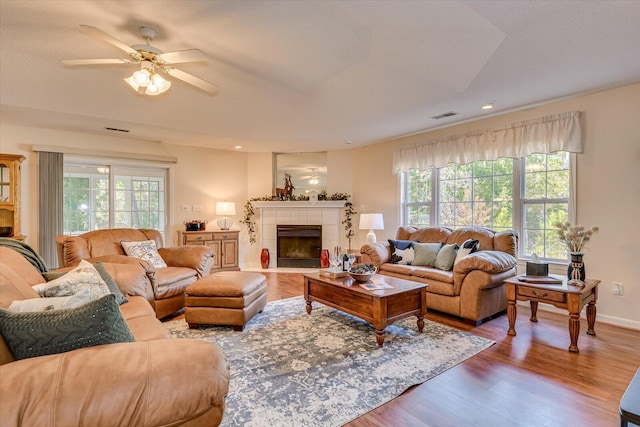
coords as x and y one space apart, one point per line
608 188
608 191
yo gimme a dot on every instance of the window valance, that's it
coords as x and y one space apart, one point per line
559 132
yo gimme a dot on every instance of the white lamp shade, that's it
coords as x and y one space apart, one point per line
225 208
371 221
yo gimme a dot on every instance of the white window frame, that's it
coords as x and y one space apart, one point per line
518 199
114 165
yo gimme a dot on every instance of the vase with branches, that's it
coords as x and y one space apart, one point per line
349 212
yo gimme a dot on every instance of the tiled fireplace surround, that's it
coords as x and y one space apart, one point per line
329 214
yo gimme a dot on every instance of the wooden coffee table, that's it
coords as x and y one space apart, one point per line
379 307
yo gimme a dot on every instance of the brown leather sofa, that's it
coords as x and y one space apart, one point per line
185 264
474 289
154 381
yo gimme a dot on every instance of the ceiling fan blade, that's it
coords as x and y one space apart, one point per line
95 61
189 55
196 81
117 43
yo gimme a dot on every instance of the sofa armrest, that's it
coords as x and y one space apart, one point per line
159 382
488 261
197 257
132 279
376 253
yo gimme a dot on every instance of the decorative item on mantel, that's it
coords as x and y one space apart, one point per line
225 209
575 237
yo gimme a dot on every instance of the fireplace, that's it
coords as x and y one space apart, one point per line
299 245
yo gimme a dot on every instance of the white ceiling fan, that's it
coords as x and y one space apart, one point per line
147 80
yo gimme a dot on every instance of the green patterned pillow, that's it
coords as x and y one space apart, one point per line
58 331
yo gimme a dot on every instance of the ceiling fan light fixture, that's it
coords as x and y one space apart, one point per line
132 83
141 77
162 84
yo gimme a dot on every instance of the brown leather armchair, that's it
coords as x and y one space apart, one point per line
185 264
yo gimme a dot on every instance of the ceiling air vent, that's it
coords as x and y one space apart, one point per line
117 130
443 115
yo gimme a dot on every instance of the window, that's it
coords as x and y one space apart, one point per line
99 196
545 202
529 195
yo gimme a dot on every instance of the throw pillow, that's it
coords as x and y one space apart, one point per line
395 245
111 284
145 250
446 257
53 303
426 253
58 331
468 247
104 274
84 275
404 256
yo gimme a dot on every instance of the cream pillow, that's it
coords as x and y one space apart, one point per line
84 276
145 250
54 303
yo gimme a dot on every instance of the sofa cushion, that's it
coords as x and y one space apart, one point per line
58 331
484 235
446 257
84 276
424 235
426 253
145 250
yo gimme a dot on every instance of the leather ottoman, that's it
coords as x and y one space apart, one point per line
225 298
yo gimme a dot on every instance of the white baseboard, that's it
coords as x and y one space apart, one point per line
602 318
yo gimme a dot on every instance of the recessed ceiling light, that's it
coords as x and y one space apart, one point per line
487 105
238 147
348 142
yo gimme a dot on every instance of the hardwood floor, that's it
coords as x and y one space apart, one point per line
527 380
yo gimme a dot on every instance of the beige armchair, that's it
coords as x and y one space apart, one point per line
185 264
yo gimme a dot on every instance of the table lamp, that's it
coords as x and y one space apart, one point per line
225 209
371 221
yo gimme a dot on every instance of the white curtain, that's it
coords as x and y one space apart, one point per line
559 132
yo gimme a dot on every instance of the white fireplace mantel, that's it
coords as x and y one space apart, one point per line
327 213
300 204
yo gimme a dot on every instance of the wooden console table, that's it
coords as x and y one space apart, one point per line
565 296
223 242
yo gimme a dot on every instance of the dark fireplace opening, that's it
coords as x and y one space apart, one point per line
299 245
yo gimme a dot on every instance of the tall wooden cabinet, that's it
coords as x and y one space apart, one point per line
10 195
223 243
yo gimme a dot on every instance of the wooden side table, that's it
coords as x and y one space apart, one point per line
565 296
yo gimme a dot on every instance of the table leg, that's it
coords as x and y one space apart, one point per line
534 311
574 331
380 337
511 314
308 307
420 323
591 317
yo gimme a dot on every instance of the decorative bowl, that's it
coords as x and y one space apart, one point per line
362 277
362 272
6 231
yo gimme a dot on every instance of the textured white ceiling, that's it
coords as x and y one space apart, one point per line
309 75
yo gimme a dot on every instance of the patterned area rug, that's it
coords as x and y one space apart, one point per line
325 369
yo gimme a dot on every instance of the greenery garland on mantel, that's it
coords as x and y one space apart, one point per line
249 212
